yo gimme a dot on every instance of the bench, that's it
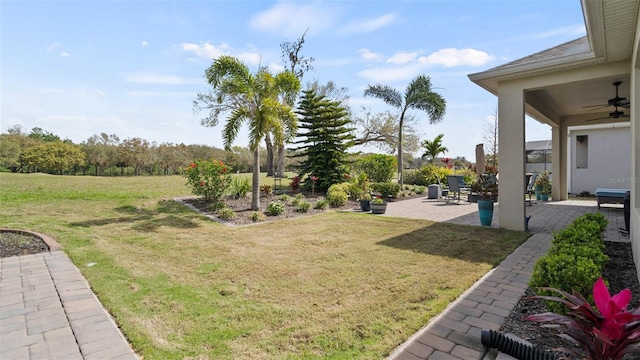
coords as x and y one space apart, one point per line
610 196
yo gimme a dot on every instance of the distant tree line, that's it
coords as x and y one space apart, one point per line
107 155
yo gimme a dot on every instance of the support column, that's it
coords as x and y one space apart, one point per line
511 139
559 152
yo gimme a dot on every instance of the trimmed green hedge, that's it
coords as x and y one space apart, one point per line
574 262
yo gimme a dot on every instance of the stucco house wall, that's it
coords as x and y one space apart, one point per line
600 158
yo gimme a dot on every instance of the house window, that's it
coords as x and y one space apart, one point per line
582 151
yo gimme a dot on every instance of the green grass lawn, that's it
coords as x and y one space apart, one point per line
332 286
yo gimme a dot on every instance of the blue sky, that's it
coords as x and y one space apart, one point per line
133 68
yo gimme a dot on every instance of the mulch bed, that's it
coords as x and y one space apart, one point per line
18 243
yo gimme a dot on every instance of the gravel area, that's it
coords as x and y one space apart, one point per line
16 244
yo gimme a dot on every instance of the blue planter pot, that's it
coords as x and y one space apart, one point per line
365 205
537 189
544 197
485 209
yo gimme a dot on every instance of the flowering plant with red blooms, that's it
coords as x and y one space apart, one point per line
377 200
608 333
208 178
313 179
447 162
295 183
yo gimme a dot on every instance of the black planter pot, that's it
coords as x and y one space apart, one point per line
365 205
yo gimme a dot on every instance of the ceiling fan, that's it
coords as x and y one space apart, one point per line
617 101
616 114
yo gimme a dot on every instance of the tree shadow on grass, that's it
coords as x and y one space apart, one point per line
166 213
465 242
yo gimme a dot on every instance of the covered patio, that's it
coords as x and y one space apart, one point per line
570 85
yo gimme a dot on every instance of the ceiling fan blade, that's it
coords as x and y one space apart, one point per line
598 119
595 107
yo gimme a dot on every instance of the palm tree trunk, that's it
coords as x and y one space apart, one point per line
267 140
400 180
255 185
280 161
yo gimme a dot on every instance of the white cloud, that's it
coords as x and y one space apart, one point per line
65 54
369 55
456 57
390 74
149 78
206 50
209 51
275 67
294 18
403 58
366 26
144 43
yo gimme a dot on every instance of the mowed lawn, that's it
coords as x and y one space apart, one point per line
339 285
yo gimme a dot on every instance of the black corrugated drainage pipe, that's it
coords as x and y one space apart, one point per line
495 340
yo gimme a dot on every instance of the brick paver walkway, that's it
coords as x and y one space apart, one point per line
48 311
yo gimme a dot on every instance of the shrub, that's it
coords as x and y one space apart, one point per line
285 198
419 189
226 214
580 233
240 187
575 260
337 195
429 174
563 271
303 206
295 183
299 196
256 216
208 178
597 217
215 206
275 208
378 167
321 204
386 189
266 189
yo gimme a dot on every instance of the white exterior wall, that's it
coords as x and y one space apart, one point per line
608 159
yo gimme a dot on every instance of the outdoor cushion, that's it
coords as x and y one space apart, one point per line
611 192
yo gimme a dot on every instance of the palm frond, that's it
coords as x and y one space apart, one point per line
386 93
232 127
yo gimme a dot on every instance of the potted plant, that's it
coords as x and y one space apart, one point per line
360 189
543 185
365 202
378 205
486 188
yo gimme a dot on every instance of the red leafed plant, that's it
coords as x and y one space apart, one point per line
608 333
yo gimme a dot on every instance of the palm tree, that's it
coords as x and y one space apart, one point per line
434 148
418 95
253 99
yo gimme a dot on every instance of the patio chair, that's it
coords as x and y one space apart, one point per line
455 190
530 181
